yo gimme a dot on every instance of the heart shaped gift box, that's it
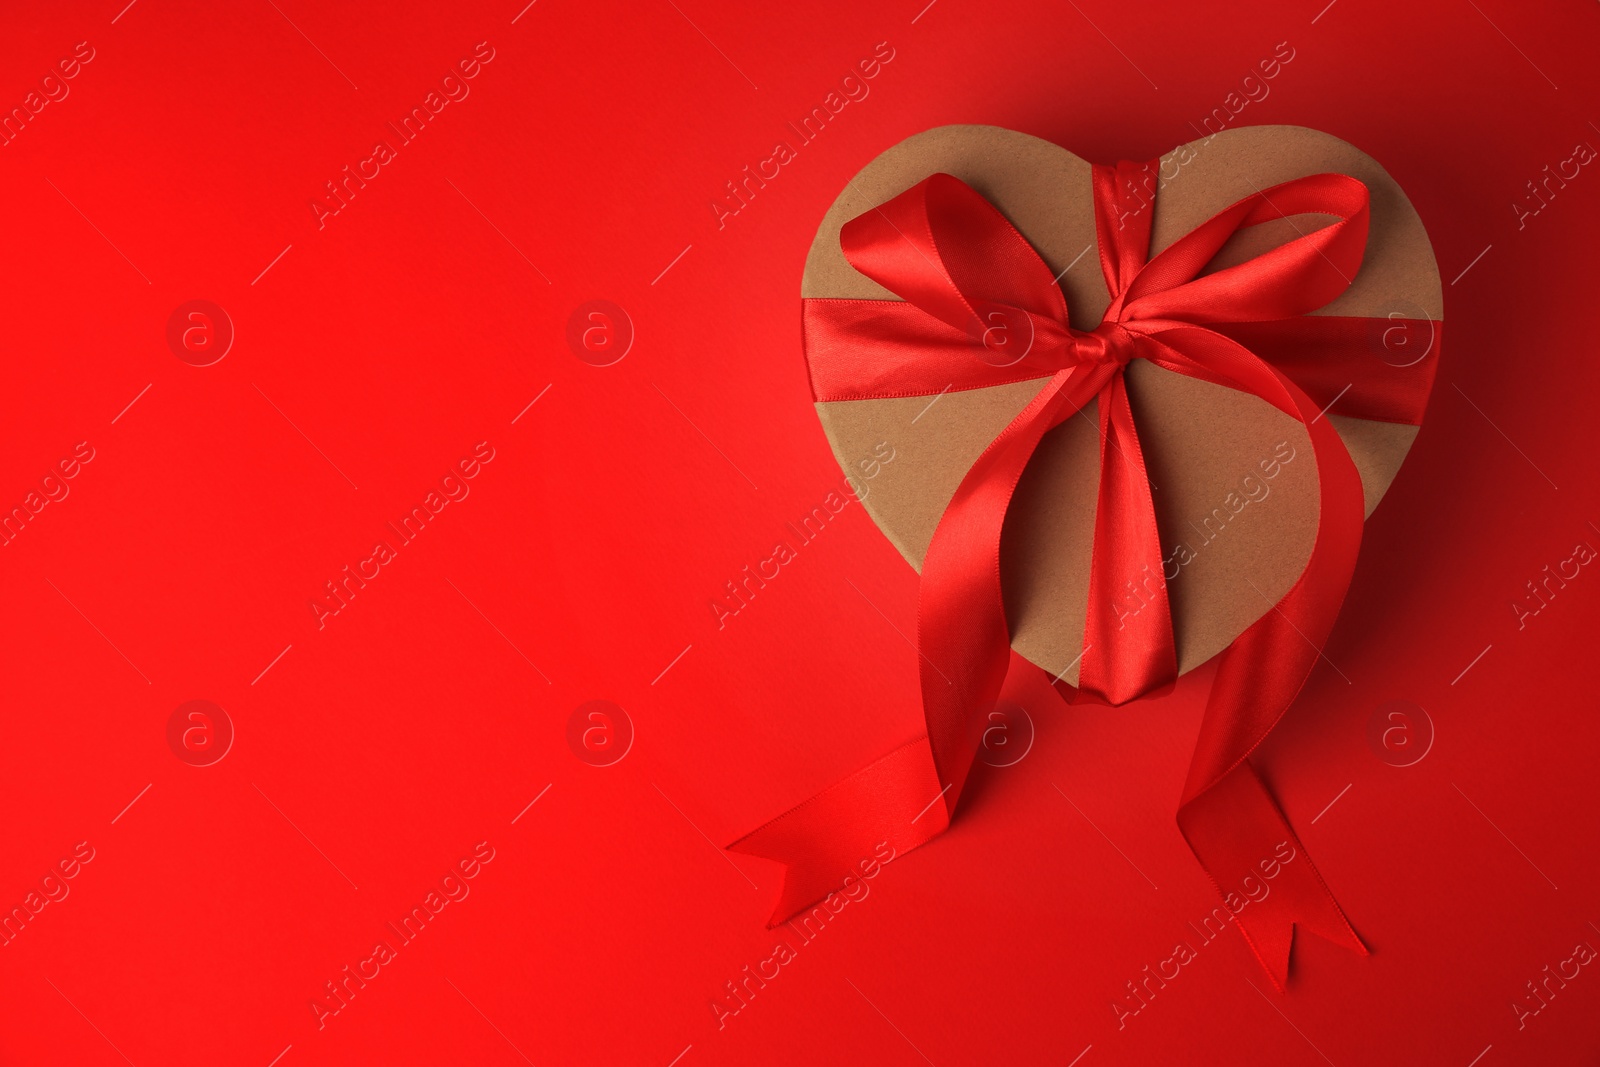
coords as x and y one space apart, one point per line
1200 440
1119 464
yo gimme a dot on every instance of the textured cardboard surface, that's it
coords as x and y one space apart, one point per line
1200 440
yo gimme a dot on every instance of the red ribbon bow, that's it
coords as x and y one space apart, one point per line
971 287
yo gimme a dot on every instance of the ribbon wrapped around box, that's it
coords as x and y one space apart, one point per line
1263 294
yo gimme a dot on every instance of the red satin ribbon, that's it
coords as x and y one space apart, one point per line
979 308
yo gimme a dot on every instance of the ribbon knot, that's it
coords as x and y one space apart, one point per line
1109 344
962 271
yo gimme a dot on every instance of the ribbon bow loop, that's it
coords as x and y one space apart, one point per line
1291 279
944 248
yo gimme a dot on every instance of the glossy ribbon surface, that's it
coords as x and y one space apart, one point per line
980 308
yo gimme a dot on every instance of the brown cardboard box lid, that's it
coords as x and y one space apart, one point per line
1201 441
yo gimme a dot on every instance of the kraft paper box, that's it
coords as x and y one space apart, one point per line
1233 482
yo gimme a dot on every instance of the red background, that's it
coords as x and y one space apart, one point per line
380 348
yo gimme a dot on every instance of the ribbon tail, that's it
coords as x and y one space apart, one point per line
906 798
1230 819
1128 644
871 815
1240 837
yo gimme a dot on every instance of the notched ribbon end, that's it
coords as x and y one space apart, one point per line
1271 942
826 845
